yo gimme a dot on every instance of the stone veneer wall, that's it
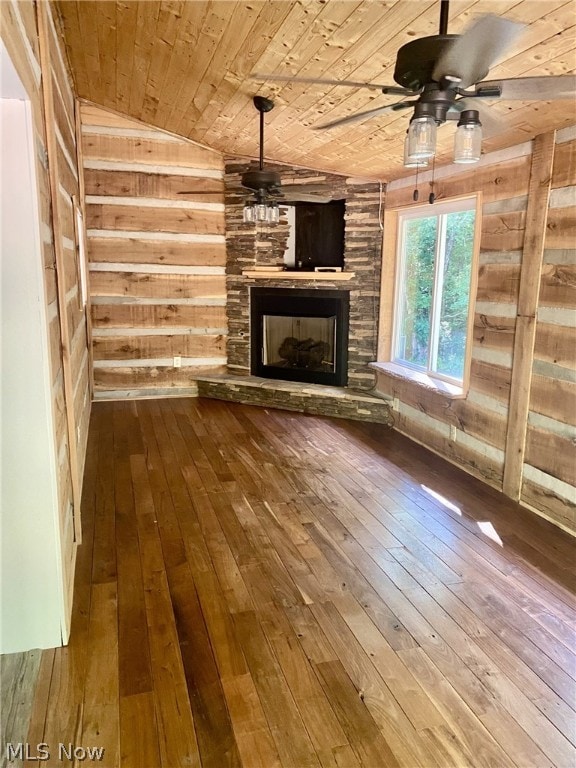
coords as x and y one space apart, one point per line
248 246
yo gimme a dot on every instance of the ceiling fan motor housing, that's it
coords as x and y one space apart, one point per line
417 59
261 179
435 102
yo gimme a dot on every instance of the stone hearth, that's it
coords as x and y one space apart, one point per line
316 399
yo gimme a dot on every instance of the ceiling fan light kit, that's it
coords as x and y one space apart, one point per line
412 162
421 138
420 143
468 138
260 210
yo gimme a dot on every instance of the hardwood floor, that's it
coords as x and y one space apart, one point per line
263 588
18 675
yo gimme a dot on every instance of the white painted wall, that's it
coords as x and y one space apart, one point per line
31 587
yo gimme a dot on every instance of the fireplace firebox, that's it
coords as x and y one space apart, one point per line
299 335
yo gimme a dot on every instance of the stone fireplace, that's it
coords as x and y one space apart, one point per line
254 260
249 248
299 335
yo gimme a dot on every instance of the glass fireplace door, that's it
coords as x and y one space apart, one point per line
299 334
305 343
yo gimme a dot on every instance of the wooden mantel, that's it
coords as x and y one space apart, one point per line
330 276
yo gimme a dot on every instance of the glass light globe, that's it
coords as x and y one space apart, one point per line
422 138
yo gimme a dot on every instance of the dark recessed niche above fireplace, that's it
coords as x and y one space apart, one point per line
316 235
299 335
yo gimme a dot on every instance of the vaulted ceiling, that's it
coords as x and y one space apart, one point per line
185 66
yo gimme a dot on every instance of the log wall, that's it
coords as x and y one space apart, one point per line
156 248
475 431
32 38
550 456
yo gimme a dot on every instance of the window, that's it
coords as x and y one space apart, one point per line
435 259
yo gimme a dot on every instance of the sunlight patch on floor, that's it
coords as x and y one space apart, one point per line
489 530
441 499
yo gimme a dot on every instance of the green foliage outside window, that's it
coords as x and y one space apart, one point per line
435 290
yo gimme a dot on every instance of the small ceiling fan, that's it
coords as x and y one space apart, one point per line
446 75
266 185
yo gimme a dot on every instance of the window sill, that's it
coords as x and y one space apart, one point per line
451 391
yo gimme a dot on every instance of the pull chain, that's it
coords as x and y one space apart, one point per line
432 196
415 194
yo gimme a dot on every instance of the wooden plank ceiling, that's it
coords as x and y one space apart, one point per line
185 66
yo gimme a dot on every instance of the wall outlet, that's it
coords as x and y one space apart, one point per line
452 433
177 362
396 404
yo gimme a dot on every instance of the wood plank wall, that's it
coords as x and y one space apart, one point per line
157 257
34 45
550 458
477 440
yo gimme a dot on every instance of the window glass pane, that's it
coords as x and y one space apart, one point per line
453 319
417 284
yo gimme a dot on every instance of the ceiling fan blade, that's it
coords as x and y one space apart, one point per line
368 113
471 55
201 192
303 197
492 124
304 187
533 88
392 89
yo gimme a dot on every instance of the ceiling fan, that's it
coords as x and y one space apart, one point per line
445 75
266 185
